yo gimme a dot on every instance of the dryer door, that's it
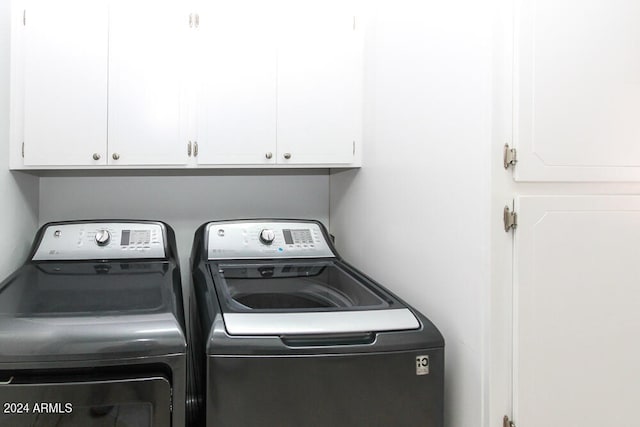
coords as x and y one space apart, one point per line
133 402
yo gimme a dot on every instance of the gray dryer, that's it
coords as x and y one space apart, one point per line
92 329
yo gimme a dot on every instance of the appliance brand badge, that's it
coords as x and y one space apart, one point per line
422 365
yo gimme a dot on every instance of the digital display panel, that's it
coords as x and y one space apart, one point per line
135 237
300 236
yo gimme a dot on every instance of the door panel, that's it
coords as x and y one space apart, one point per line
577 90
576 299
237 72
147 96
139 402
319 85
65 108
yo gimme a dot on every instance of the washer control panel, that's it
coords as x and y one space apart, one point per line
101 240
256 240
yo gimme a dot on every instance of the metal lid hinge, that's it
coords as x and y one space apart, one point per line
509 157
510 219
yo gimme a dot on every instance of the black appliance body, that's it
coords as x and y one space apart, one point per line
92 329
286 333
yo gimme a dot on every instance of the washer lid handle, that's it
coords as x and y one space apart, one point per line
6 382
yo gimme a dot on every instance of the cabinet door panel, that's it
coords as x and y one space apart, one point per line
577 90
576 299
147 97
319 86
65 107
237 93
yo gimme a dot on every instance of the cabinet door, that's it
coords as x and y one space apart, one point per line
576 299
319 86
65 82
236 100
577 90
147 97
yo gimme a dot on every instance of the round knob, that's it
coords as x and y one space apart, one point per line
103 237
269 155
287 156
267 236
96 156
116 156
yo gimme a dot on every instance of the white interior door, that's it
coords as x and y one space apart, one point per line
236 122
65 107
147 95
576 311
319 83
577 90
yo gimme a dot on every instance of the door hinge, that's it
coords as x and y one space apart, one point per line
506 422
510 219
24 17
189 149
509 157
23 150
195 149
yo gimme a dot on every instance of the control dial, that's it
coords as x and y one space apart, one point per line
267 236
103 237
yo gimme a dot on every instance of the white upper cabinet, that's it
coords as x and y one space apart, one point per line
319 84
236 96
141 83
577 90
65 82
147 94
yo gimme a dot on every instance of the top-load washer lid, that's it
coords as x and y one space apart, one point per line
83 296
300 298
284 278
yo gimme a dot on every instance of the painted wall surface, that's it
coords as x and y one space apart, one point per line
18 191
186 202
416 216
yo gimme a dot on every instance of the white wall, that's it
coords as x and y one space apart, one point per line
186 202
416 216
18 191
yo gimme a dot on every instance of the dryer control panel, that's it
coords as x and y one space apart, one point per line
259 240
101 240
